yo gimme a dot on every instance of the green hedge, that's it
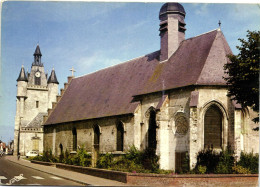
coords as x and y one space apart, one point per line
223 162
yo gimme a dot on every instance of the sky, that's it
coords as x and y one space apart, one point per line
90 36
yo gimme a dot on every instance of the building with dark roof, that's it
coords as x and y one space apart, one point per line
34 96
173 100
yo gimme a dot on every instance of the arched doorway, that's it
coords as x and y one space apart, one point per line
152 130
213 127
120 137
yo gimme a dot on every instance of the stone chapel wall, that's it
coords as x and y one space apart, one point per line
85 134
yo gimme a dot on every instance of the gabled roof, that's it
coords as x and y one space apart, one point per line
198 61
22 75
53 78
109 92
106 92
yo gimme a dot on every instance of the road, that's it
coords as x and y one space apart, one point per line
28 176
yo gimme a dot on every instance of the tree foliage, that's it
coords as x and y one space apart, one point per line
243 72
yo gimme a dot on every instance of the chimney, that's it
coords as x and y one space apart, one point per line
172 28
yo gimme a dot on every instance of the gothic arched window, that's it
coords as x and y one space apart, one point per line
152 130
61 149
96 137
74 134
213 127
120 137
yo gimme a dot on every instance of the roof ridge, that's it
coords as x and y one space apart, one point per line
128 61
202 34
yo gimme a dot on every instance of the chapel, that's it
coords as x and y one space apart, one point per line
173 100
35 94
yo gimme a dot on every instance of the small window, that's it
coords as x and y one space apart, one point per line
37 104
37 81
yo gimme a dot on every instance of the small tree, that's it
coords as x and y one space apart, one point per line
243 72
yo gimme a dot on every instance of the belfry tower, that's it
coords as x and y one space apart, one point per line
34 96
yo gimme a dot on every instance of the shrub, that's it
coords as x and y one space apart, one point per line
84 157
215 162
209 158
240 170
202 169
37 158
104 161
67 158
150 160
61 157
133 161
226 162
249 161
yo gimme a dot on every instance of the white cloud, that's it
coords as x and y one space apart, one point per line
202 9
95 62
244 12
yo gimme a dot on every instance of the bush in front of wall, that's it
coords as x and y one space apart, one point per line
84 157
249 161
226 162
67 158
150 160
104 161
202 169
240 170
61 157
208 158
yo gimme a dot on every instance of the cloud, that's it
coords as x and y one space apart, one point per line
244 11
95 62
201 9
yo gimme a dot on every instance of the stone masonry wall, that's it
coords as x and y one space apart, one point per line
85 134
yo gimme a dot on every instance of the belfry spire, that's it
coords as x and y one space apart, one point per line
37 56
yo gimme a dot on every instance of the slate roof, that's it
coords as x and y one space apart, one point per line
53 78
37 121
37 51
22 76
198 61
108 92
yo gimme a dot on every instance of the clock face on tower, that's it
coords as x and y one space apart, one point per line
37 74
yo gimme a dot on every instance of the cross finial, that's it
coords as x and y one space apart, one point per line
219 23
72 71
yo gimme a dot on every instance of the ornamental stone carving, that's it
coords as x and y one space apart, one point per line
181 125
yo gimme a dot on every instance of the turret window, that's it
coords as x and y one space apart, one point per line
37 81
37 104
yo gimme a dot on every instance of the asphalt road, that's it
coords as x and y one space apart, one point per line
28 176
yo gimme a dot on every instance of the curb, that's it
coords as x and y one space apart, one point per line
80 182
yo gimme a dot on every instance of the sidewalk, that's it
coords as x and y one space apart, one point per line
69 175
